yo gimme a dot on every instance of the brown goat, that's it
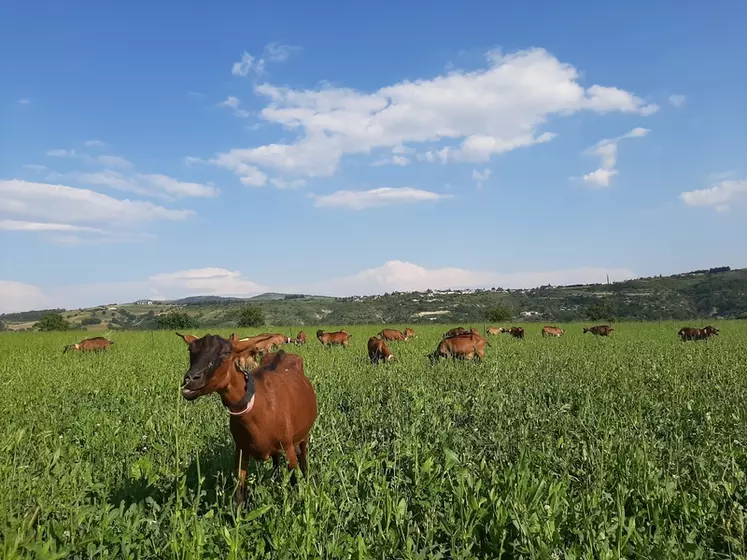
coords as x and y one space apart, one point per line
328 339
300 338
494 330
95 344
391 334
272 408
378 351
690 333
599 330
516 332
463 346
455 332
552 331
410 333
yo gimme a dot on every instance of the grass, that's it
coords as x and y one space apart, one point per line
578 447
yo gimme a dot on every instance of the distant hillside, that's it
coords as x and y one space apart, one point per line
713 293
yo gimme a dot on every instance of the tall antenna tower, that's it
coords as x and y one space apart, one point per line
608 279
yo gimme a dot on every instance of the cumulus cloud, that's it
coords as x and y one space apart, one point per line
273 52
677 100
17 296
478 114
383 196
48 202
720 196
607 150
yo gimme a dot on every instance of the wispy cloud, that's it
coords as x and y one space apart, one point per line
107 160
233 103
23 101
607 151
273 52
677 100
481 176
94 144
146 184
384 196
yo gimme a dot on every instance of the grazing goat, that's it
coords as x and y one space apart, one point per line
378 351
599 330
455 332
467 346
494 330
96 344
391 334
272 408
516 332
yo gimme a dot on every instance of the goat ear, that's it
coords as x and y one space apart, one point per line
188 338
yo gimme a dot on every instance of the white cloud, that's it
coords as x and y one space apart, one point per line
113 161
490 111
233 103
273 52
677 100
94 144
108 160
607 150
288 184
17 225
481 176
47 202
17 296
59 152
35 167
146 184
383 196
216 281
721 195
23 101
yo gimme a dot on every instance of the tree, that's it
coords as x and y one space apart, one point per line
52 322
251 316
90 321
3 327
176 321
599 312
499 314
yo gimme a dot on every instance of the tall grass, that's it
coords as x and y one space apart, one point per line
578 447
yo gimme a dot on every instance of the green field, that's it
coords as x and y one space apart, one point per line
578 447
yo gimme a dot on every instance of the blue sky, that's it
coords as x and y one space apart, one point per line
164 149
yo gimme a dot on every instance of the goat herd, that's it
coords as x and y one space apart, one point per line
271 402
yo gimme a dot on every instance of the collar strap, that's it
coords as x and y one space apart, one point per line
247 401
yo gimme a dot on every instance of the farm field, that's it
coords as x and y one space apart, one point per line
577 447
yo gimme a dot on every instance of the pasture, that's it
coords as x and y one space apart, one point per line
574 447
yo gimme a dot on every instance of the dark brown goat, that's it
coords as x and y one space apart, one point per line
328 339
516 332
95 344
273 407
378 351
599 330
455 332
690 333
